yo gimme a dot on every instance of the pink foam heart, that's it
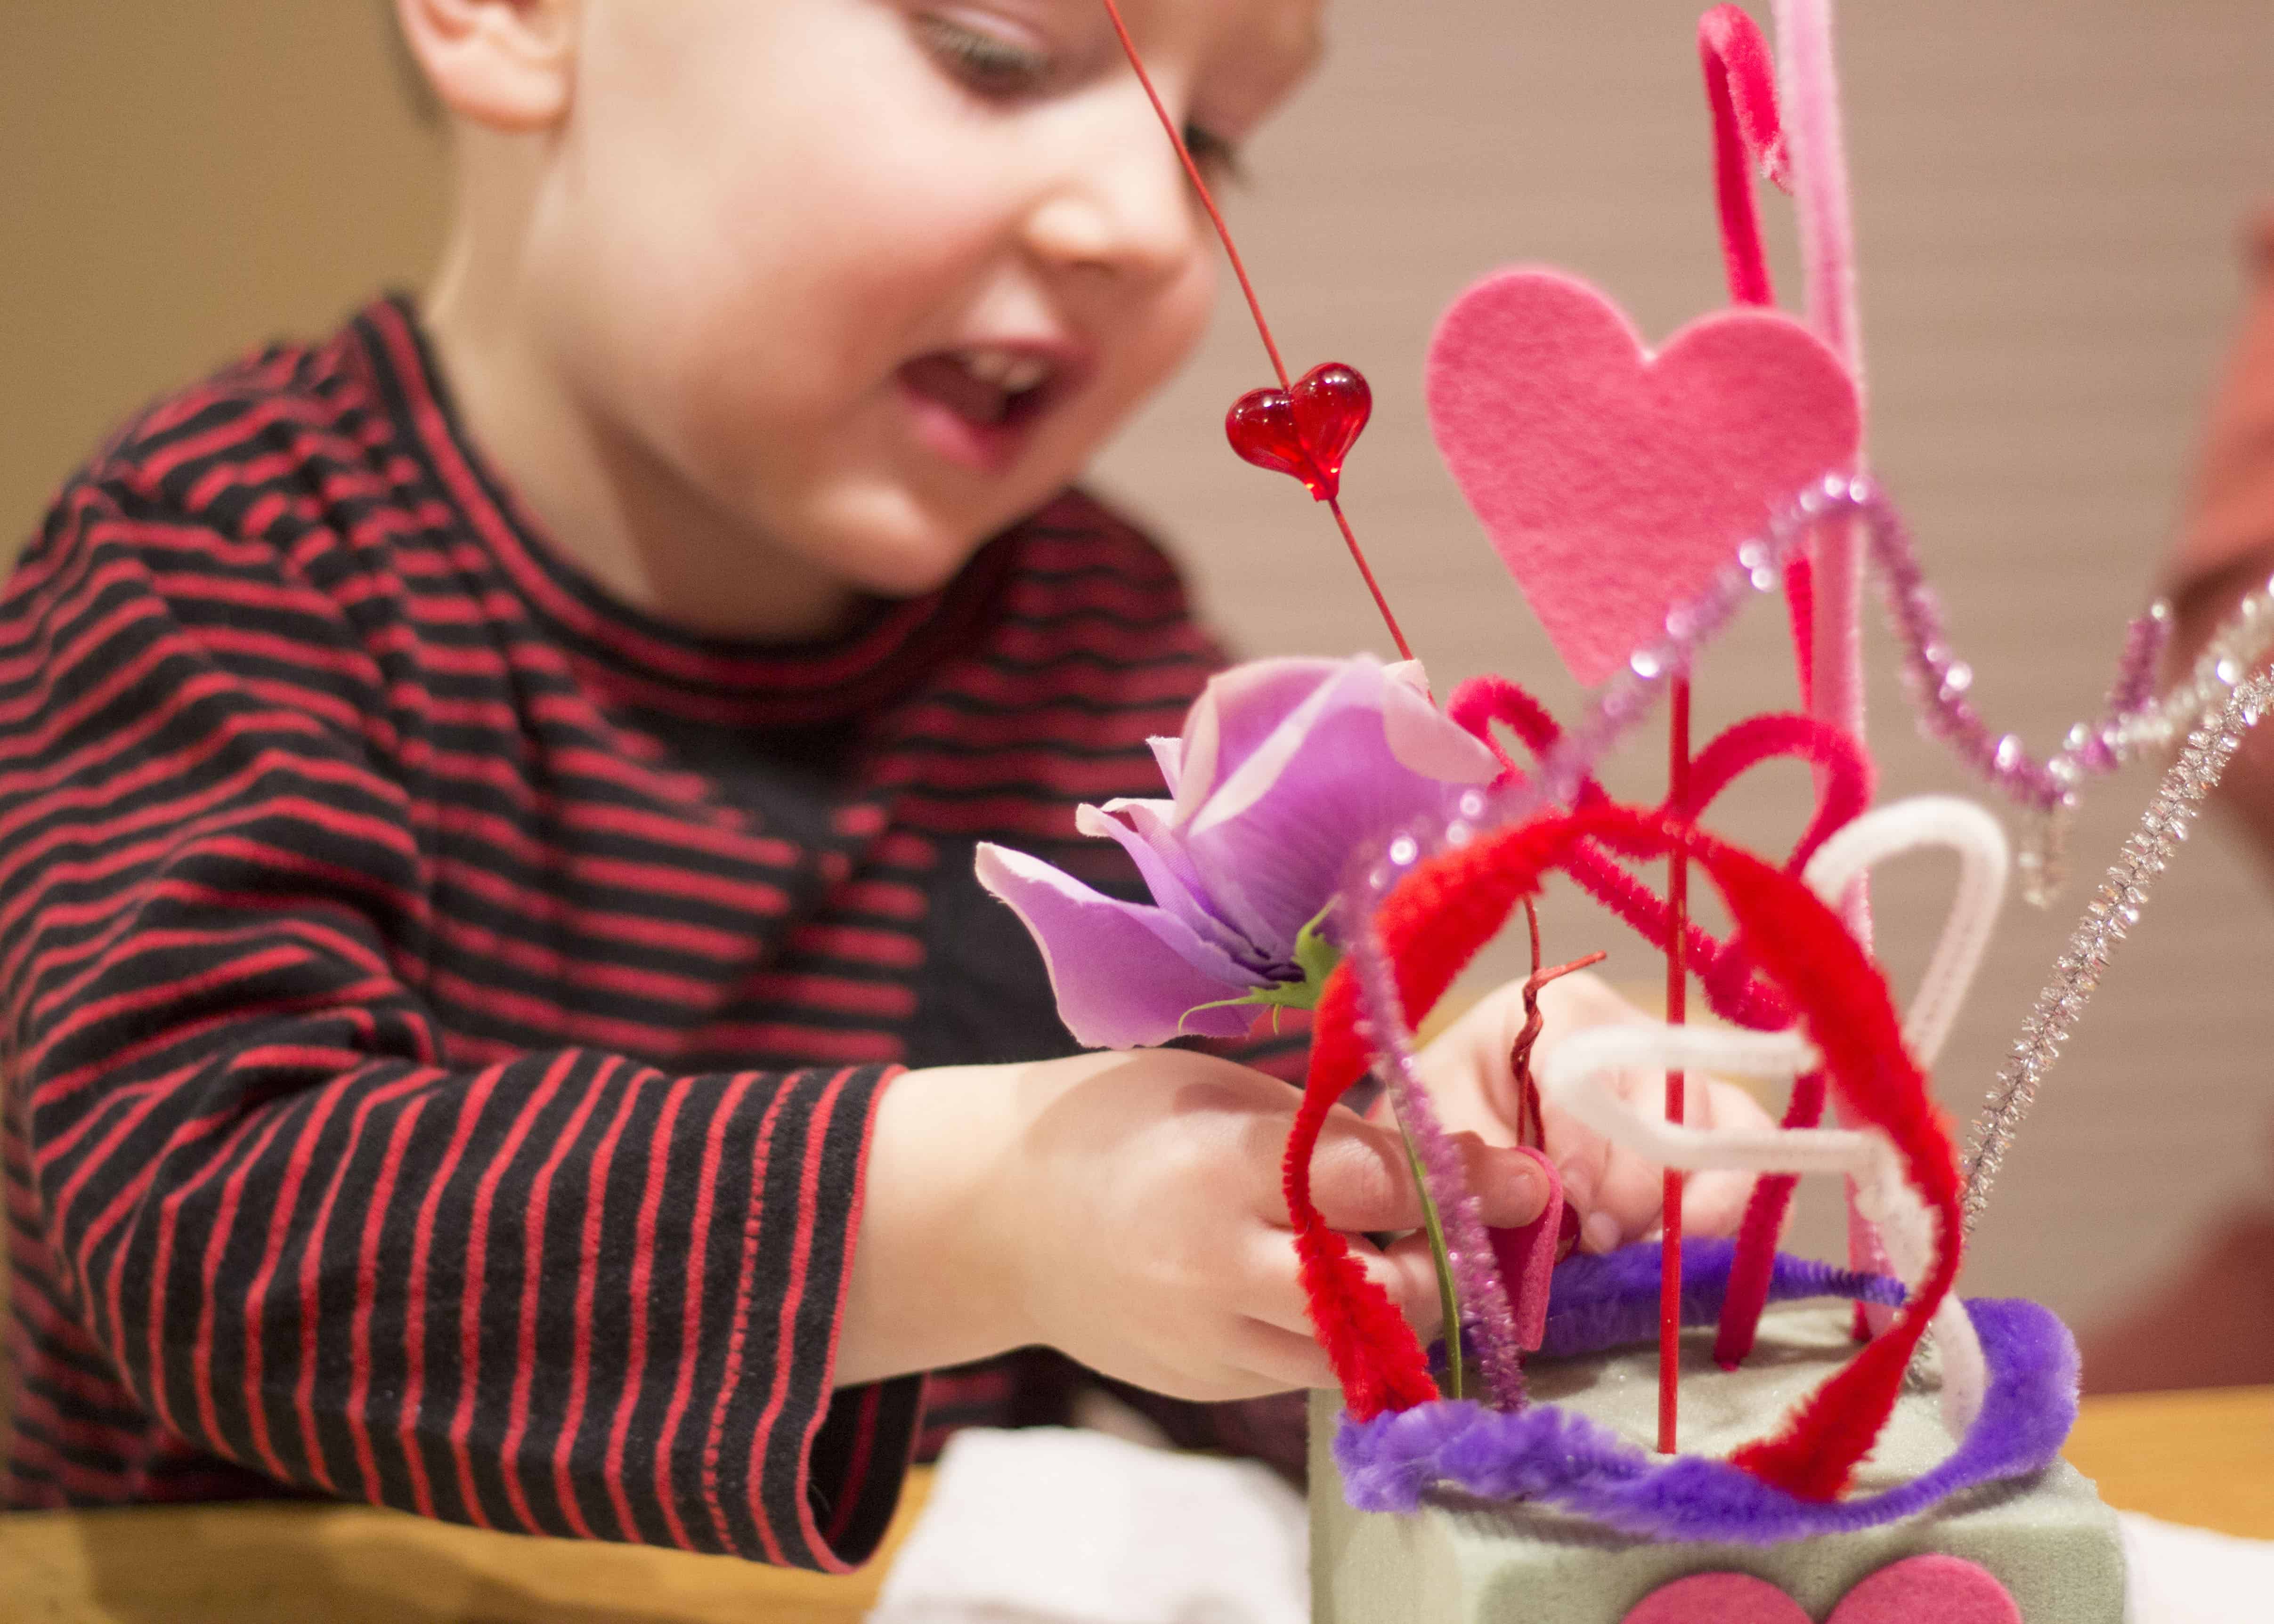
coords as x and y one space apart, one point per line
1947 1590
1612 482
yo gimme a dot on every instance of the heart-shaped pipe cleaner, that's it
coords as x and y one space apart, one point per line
1430 926
1845 791
1305 431
1615 483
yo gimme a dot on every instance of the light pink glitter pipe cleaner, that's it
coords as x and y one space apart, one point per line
1811 96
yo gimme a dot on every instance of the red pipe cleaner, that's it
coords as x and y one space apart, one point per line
1749 139
1723 971
1435 923
1852 1019
1755 1258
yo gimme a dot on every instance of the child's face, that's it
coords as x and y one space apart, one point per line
869 279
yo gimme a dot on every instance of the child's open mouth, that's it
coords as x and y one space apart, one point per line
975 406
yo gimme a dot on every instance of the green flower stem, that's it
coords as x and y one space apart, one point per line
1447 1299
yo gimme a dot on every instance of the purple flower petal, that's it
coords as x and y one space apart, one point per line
1269 847
1125 974
1169 756
1285 768
1423 737
1161 864
1235 713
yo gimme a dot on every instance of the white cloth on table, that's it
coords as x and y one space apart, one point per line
2192 1576
1049 1525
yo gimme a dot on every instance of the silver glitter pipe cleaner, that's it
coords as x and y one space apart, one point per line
2112 910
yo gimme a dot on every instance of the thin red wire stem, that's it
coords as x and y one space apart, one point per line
1335 506
1254 304
1677 1001
1208 199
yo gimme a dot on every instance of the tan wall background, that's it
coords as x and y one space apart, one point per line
2048 203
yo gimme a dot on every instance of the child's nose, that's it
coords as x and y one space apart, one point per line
1127 208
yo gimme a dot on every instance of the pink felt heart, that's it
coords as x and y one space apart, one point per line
1948 1590
1614 483
1527 1257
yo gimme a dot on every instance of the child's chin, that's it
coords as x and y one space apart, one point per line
909 568
890 542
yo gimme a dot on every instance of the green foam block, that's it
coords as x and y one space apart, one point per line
2049 1539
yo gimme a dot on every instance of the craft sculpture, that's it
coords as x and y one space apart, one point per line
1332 840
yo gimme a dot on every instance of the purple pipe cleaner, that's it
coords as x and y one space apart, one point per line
1562 1460
1611 1300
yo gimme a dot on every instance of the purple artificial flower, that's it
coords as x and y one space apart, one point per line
1285 767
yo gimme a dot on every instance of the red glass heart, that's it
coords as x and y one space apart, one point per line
1306 431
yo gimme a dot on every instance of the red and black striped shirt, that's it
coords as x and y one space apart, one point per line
445 1008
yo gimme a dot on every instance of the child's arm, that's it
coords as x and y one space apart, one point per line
277 1221
561 1292
1125 1209
2227 550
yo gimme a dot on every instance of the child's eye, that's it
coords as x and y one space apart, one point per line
988 62
1213 153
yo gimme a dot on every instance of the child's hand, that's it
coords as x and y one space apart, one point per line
1618 1195
1128 1209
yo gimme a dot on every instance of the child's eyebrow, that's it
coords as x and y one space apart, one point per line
1276 50
1300 39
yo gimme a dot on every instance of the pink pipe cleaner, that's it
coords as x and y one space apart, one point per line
1827 250
1747 138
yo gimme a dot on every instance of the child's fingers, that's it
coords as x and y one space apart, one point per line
1713 1203
1581 1157
1616 1194
1628 1200
1425 1310
1273 1288
1358 1177
1283 1359
1473 1056
1361 1180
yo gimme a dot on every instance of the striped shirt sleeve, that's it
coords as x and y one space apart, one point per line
564 1293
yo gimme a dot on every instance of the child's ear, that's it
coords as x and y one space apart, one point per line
505 64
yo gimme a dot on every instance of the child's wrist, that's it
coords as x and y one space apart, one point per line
934 1273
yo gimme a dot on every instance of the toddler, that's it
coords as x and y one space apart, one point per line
500 1018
